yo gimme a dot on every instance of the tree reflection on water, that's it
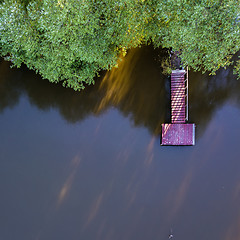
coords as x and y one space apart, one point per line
137 88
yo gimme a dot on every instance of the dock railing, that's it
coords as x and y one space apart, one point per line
186 93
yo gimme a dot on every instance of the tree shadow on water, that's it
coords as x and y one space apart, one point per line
136 87
207 94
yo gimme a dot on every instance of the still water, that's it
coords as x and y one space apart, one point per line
89 165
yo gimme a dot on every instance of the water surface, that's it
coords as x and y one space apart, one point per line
89 165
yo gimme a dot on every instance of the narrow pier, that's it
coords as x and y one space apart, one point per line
178 132
178 111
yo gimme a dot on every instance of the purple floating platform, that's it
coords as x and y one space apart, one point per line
178 134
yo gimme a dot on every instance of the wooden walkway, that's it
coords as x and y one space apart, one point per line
178 132
178 95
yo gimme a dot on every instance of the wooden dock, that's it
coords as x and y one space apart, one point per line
178 132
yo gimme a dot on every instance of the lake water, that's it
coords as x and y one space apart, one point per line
89 165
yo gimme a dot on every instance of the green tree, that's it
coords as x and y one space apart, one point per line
70 41
206 32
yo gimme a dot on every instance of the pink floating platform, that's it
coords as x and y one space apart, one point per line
178 134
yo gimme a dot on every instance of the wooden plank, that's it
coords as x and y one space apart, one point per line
178 114
177 87
180 96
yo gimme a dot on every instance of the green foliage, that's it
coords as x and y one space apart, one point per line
70 41
166 65
206 32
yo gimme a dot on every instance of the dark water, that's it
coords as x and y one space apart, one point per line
89 166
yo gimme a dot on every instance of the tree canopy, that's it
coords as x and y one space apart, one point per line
70 41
